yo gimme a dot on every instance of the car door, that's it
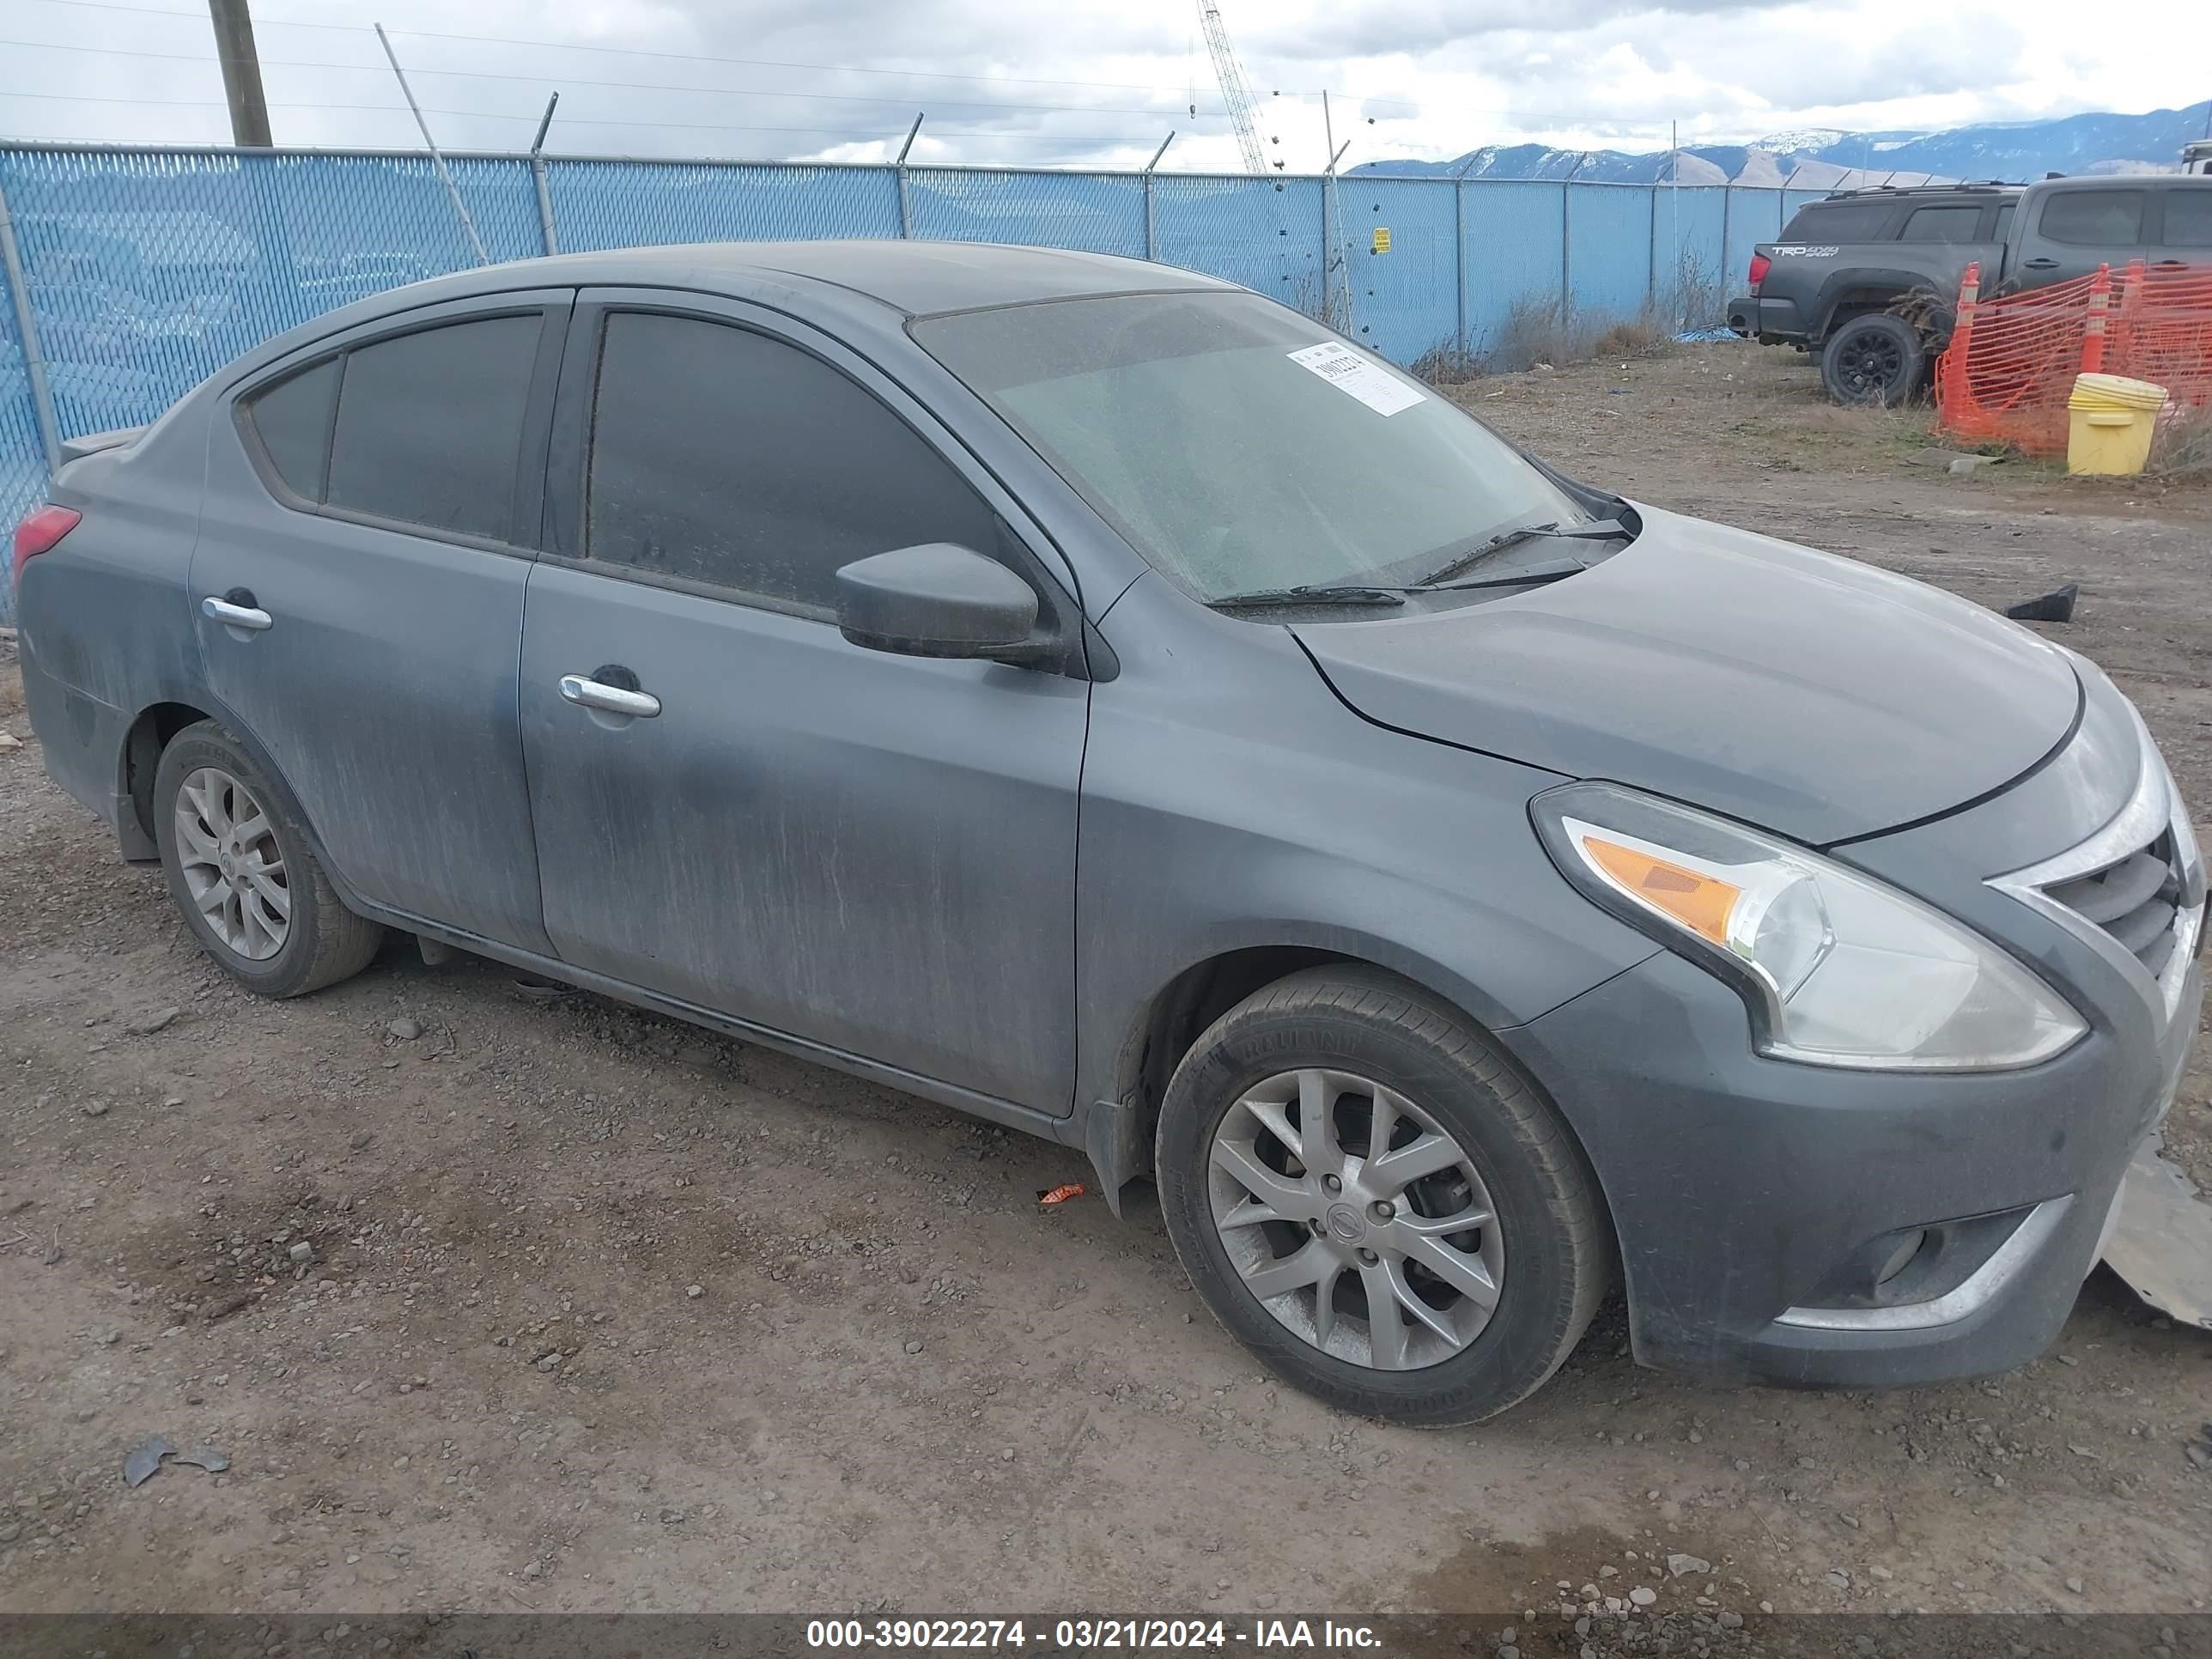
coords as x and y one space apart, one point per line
2184 235
871 852
2075 230
357 588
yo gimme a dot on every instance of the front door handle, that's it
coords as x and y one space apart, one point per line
588 693
252 617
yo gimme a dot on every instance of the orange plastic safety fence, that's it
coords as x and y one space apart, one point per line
2011 363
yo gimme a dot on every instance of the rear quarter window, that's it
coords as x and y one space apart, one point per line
1839 221
1942 224
2188 219
291 420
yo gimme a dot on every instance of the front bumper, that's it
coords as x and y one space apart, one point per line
1737 1184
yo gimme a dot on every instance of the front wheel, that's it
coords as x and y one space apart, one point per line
1375 1201
242 871
1874 359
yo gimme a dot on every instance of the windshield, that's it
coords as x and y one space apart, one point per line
1239 446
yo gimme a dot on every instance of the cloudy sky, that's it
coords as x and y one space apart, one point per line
1097 82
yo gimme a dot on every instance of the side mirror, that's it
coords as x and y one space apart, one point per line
937 600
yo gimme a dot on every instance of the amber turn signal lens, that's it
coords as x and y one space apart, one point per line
1701 904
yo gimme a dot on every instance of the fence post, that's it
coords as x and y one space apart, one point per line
906 226
545 205
1566 268
1459 267
1652 254
27 325
1327 253
1728 202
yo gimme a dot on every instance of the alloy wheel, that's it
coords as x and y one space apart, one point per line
234 869
1353 1217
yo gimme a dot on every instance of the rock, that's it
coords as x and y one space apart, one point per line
1679 1566
10 1532
535 1570
1731 1621
302 1252
2074 1585
9 740
1966 465
1643 1596
914 1348
695 1291
147 1023
1882 1573
95 1109
405 1029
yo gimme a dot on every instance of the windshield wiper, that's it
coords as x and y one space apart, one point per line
1321 594
1530 575
1595 529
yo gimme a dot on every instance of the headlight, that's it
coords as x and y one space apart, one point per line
1838 968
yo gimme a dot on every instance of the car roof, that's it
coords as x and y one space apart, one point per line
919 279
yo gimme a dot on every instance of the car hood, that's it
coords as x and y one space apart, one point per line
1808 693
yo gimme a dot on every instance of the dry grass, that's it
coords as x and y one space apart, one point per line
2183 448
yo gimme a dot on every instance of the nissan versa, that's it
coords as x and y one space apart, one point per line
1099 698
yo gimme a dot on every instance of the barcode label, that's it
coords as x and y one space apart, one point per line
1353 374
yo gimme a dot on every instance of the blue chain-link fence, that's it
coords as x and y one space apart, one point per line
145 270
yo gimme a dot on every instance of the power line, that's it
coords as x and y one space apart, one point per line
850 134
631 86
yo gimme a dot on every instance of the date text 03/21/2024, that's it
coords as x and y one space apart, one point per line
1282 1635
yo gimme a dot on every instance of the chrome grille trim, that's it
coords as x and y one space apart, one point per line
2104 889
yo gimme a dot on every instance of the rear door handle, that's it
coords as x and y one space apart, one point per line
588 693
2041 264
251 618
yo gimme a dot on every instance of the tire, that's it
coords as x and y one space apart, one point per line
1874 360
258 903
1548 1254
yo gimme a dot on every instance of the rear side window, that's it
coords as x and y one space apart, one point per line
2094 218
1839 221
292 419
722 456
429 425
2188 219
1942 224
2004 227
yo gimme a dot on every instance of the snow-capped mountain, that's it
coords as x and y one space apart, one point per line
1822 158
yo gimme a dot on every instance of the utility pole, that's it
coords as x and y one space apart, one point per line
241 73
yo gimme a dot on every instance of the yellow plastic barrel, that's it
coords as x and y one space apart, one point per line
2110 420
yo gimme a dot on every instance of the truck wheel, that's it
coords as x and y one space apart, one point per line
1376 1202
240 870
1873 358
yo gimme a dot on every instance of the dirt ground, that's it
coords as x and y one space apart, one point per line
603 1312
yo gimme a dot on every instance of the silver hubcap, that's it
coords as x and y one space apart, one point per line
233 869
1355 1219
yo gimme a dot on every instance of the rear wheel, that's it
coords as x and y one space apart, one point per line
240 870
1376 1203
1873 358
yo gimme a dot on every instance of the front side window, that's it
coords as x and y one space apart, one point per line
2188 219
2094 218
721 455
429 425
1238 446
1942 224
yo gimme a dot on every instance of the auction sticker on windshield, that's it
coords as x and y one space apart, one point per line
1348 372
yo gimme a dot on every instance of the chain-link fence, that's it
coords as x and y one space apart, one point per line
143 269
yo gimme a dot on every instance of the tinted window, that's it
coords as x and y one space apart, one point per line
2004 221
1839 221
722 456
2188 218
1942 224
429 425
2094 218
292 418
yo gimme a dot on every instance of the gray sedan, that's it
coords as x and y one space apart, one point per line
1099 698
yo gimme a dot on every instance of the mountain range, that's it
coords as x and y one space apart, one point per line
1827 158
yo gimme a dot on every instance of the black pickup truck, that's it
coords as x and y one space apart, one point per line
1870 279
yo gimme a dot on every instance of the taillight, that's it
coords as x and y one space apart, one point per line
38 533
1760 264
